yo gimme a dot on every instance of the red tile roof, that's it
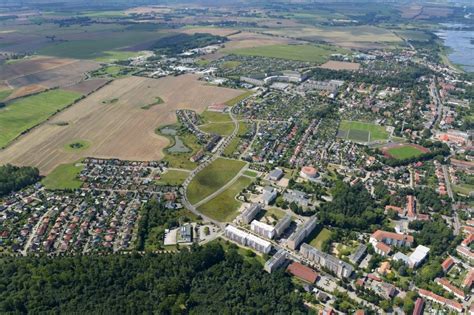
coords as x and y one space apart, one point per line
447 263
383 247
302 272
418 310
380 235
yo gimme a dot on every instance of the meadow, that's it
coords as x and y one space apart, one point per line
64 177
24 113
213 177
172 178
309 53
322 236
224 206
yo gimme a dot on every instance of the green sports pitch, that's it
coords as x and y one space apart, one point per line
358 131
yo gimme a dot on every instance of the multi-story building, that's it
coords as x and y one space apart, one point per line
282 225
276 261
262 229
390 238
247 239
339 267
301 233
249 213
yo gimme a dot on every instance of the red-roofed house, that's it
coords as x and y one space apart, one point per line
447 264
418 310
302 272
467 283
411 206
399 210
453 305
468 240
448 286
468 229
382 249
390 238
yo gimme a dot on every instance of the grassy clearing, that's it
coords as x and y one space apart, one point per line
361 131
308 53
239 98
64 177
181 160
273 212
404 152
4 94
115 55
324 235
213 177
24 113
172 178
215 117
242 251
463 189
224 207
232 64
77 145
250 173
158 101
223 129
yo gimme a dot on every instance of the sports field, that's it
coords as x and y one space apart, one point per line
309 53
213 177
25 113
361 131
224 207
401 152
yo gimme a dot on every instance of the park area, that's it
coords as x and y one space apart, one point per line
362 132
224 207
404 151
212 178
309 53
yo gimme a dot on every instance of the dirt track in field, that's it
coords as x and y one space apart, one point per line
116 129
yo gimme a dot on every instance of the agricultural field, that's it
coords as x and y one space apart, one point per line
64 177
340 65
308 53
119 129
24 113
401 152
43 72
224 207
213 177
362 132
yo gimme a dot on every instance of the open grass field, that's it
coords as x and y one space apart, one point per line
323 235
223 129
362 132
213 177
173 178
239 98
224 207
116 130
25 113
405 152
63 177
309 53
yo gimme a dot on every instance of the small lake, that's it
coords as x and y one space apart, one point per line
169 131
179 146
460 40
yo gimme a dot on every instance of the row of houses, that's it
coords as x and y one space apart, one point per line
247 239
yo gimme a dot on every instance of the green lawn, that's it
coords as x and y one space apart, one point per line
464 189
320 238
223 129
358 131
404 152
25 113
274 212
250 173
215 117
181 160
63 177
224 207
4 94
309 53
114 55
213 177
172 178
234 143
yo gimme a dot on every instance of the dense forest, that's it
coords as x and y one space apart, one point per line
352 207
13 178
175 44
204 280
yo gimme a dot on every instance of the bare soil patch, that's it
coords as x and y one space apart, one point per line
26 90
340 65
115 130
86 87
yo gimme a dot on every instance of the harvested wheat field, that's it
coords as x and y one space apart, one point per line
113 122
26 90
87 86
31 66
340 65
